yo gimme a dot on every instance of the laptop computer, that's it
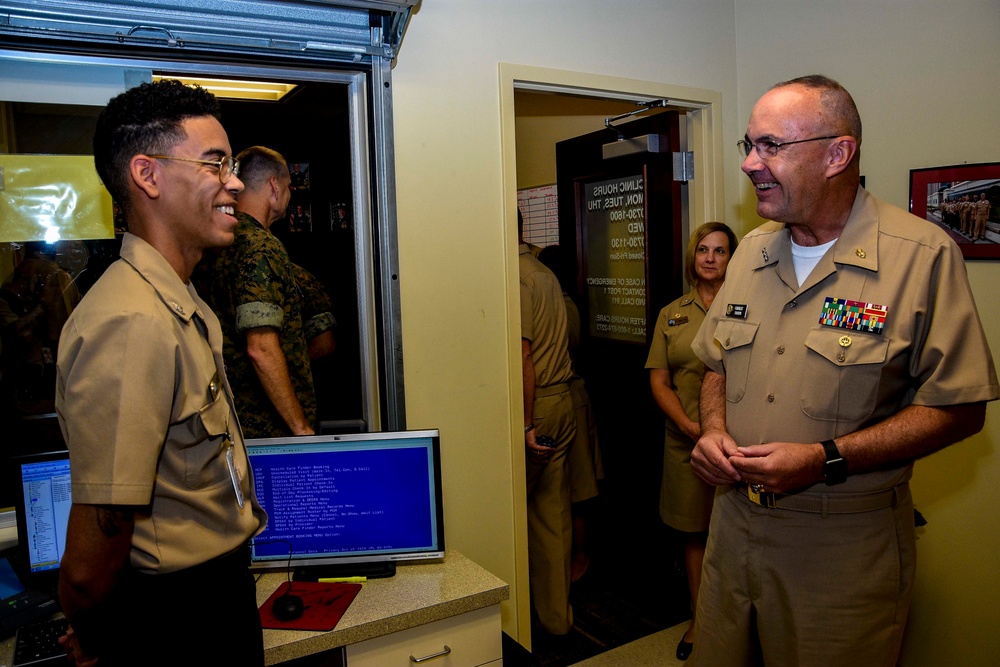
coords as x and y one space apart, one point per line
29 572
20 605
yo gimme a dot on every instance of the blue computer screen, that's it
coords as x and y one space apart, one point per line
347 496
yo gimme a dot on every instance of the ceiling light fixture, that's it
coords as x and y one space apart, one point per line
235 89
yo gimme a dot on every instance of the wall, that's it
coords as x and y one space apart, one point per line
543 120
457 236
926 78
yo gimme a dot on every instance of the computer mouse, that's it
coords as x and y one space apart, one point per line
287 607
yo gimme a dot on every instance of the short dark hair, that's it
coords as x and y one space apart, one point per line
258 164
145 119
561 264
696 238
835 98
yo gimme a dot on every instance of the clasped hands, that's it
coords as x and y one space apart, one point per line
778 467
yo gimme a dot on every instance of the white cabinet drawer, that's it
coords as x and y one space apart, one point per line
473 639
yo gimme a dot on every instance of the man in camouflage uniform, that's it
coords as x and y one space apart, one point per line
251 286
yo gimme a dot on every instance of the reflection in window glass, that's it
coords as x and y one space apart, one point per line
41 283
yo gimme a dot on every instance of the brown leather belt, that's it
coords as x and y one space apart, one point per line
822 503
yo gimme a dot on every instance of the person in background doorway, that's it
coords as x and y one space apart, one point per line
252 286
546 371
844 345
155 570
675 375
585 466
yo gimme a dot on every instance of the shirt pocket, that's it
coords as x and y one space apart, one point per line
735 338
841 374
204 458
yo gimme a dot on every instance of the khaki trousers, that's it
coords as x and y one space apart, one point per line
790 588
550 528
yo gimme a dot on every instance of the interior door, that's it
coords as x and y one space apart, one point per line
623 216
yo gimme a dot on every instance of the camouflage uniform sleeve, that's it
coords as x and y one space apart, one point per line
317 306
261 292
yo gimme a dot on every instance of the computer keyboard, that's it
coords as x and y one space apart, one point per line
38 644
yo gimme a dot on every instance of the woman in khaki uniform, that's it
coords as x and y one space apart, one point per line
675 377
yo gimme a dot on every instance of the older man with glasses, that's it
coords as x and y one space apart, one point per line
155 570
844 345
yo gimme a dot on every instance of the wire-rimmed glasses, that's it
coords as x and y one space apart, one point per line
767 148
227 166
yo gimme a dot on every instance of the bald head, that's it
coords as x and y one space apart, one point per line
839 113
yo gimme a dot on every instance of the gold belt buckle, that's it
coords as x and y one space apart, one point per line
758 496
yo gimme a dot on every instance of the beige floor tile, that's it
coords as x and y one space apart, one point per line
655 650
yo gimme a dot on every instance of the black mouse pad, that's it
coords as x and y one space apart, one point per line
322 605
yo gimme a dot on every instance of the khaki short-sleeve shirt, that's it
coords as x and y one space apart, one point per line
543 320
886 319
670 349
145 407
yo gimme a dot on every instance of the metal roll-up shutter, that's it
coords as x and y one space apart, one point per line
319 30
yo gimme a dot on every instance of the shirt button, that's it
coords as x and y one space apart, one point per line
727 342
792 304
781 349
770 398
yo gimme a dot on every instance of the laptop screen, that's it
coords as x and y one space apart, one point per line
43 509
10 585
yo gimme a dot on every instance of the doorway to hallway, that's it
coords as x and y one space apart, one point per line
635 584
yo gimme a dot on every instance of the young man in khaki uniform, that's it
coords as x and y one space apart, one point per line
844 344
155 570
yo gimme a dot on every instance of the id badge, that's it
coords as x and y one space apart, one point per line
234 473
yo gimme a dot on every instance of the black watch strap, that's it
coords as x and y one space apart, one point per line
835 468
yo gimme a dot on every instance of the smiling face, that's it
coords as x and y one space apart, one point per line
711 257
789 185
199 207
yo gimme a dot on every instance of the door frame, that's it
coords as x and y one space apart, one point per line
704 138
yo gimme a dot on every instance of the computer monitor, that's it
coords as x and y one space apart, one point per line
349 504
42 510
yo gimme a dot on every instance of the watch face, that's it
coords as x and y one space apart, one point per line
835 471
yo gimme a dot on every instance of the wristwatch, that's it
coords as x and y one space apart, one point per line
835 468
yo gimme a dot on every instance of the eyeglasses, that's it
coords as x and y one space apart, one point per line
767 148
227 166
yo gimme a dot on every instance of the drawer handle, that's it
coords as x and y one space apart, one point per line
446 651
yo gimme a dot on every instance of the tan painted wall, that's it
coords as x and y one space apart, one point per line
543 120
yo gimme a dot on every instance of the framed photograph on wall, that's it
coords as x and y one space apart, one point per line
964 200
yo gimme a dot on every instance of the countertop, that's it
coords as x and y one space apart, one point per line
417 594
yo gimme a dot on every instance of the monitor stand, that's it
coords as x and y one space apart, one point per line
373 570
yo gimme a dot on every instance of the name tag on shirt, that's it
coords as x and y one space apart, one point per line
853 315
736 310
677 319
